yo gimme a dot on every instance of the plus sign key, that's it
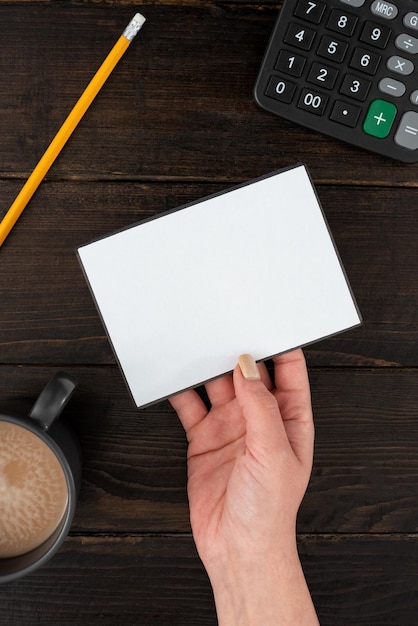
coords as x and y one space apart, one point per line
379 118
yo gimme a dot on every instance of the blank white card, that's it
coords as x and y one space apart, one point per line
253 269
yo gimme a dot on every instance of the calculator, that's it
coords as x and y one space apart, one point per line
349 69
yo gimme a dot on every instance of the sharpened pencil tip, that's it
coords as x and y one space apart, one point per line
134 26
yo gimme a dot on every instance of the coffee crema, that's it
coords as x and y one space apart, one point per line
33 490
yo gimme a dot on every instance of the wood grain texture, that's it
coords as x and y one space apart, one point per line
131 581
175 122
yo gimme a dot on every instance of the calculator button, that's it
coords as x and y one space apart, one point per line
355 87
347 68
392 87
310 10
334 49
341 22
290 63
400 65
354 3
312 101
386 10
407 43
344 113
299 36
410 20
365 61
407 133
379 118
322 75
280 89
375 35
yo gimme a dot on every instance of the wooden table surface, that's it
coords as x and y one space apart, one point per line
175 122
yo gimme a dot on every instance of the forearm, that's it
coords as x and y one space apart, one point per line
274 593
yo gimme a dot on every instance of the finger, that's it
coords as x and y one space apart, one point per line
294 399
220 391
189 407
265 376
265 429
292 383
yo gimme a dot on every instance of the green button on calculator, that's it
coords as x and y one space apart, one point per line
346 68
379 118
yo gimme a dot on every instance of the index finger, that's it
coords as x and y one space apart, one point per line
189 407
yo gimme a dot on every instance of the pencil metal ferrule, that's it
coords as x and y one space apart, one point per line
134 26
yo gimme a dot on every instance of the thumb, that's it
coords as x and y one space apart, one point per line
265 428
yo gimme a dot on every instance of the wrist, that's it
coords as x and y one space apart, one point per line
269 590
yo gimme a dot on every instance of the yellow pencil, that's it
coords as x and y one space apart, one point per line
69 125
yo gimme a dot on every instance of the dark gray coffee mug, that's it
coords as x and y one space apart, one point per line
44 423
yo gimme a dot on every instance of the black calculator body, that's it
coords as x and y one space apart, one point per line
349 69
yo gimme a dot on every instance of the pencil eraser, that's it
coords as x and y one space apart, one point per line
139 19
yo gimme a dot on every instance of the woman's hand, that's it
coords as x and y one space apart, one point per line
249 463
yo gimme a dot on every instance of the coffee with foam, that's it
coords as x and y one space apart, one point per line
33 490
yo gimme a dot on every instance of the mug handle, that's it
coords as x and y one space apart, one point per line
53 399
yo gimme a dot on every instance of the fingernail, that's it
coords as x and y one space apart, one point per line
248 367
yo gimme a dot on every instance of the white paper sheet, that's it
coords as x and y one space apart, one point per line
252 270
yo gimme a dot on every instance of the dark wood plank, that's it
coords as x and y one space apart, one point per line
134 474
366 452
362 581
47 314
147 581
155 581
179 105
175 122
